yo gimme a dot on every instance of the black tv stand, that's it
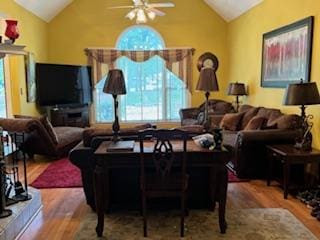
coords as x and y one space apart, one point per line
75 116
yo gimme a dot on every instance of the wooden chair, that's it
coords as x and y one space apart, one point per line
165 175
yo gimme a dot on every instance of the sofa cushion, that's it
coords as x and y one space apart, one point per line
231 121
248 115
286 121
223 107
256 123
268 112
189 121
48 126
68 135
196 129
245 107
200 118
273 116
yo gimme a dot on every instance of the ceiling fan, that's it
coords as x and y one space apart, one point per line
142 10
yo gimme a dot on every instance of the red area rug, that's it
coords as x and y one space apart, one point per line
59 174
63 174
233 178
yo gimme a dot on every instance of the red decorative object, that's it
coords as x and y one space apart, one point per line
12 31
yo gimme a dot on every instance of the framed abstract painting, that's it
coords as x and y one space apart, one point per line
286 56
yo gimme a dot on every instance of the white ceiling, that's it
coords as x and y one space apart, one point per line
48 9
231 9
45 9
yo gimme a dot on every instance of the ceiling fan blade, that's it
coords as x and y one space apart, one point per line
157 5
156 11
119 7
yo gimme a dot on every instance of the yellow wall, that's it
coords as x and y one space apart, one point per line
91 24
245 51
33 34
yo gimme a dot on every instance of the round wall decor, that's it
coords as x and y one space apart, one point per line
208 60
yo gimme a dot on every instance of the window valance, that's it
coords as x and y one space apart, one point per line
178 60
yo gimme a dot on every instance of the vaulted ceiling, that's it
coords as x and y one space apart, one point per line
228 9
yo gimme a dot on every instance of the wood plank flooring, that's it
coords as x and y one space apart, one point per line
63 209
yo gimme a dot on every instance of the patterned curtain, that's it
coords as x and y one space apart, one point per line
178 61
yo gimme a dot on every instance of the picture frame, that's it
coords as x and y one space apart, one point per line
286 54
30 67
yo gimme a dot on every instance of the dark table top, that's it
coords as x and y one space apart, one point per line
290 150
149 144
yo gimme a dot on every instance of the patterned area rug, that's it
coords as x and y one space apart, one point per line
245 224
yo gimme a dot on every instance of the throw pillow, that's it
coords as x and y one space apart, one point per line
256 123
248 115
231 121
200 118
286 121
48 126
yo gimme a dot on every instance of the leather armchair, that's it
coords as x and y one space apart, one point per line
195 116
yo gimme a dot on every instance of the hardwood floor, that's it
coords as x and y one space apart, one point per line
63 209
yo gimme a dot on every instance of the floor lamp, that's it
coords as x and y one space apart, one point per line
115 85
207 83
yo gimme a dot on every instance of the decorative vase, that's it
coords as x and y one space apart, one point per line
12 31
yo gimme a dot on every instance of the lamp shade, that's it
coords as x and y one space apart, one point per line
207 80
236 89
302 94
115 83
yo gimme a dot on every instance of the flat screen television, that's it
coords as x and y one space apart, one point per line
63 85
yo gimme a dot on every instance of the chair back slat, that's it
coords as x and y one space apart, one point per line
164 155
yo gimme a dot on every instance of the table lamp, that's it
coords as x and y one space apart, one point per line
237 89
303 94
207 83
115 85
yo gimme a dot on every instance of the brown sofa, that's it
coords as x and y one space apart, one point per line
41 137
195 116
247 133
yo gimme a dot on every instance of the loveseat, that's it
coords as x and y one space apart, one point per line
41 137
195 116
247 133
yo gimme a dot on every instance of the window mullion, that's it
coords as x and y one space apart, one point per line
164 94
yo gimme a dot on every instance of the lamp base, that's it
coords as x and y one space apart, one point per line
304 143
303 146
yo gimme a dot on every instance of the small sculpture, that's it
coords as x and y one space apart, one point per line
304 142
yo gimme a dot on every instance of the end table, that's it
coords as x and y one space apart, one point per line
288 155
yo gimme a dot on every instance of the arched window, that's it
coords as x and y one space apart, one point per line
153 92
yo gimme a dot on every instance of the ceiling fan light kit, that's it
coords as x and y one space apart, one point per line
142 10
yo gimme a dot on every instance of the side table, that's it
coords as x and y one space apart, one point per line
288 155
